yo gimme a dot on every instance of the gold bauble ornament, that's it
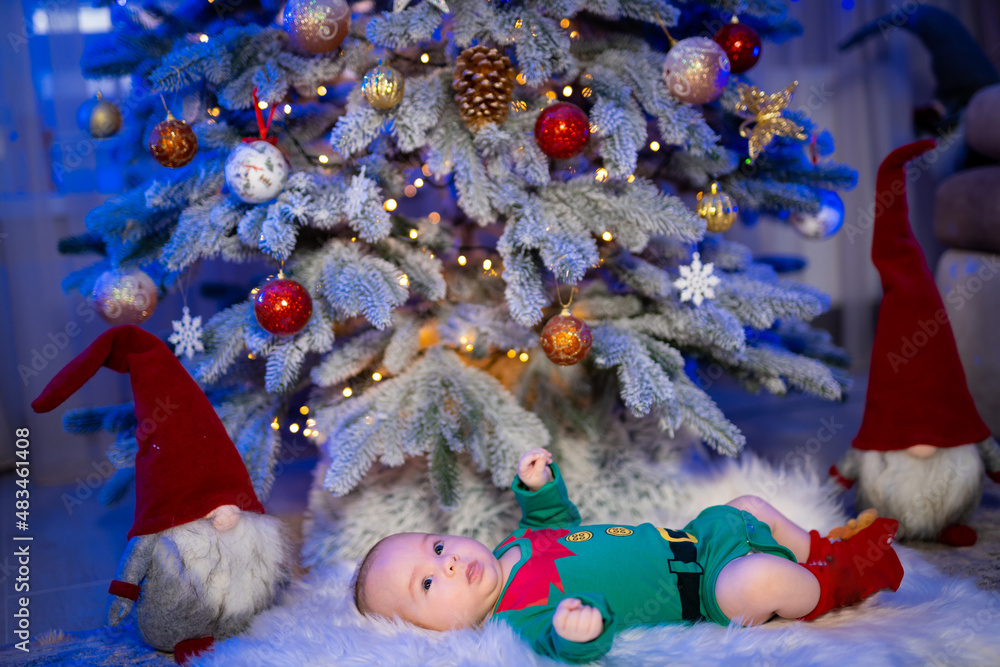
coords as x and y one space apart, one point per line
99 118
383 86
764 112
718 209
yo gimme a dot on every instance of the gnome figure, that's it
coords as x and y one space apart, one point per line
922 448
202 558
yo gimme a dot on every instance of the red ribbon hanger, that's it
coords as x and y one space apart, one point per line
260 123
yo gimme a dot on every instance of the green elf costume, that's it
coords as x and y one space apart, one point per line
642 575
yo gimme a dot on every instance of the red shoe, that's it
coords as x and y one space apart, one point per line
958 536
189 648
851 570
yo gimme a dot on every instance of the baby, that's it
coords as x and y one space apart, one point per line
567 589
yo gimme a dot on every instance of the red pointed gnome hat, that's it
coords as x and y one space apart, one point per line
186 465
917 392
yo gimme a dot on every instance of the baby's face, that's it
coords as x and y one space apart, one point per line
439 582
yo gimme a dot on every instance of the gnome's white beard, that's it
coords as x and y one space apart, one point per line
203 582
926 495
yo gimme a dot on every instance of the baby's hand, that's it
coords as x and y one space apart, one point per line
533 468
576 621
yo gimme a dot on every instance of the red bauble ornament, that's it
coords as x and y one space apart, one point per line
741 43
282 307
173 143
562 130
566 339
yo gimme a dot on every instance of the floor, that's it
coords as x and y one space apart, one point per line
77 541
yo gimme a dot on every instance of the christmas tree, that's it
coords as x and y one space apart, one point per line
430 184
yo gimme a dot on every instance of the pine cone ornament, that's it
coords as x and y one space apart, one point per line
483 81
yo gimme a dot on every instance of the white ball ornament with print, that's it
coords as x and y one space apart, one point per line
256 172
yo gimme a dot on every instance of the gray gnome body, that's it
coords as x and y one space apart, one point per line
199 581
927 490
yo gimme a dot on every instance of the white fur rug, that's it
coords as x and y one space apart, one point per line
932 619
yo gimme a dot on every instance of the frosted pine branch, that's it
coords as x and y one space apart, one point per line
438 402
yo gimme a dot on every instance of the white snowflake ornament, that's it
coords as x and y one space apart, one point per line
697 281
187 335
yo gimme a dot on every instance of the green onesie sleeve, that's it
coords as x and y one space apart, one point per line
547 507
534 624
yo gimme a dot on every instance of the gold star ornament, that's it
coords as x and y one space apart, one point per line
400 5
763 111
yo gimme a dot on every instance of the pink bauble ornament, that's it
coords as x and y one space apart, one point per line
696 70
317 26
124 297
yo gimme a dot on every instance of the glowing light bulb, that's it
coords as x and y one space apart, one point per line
434 217
654 146
324 159
304 410
419 182
390 204
294 428
288 108
425 58
376 376
602 174
564 23
275 425
567 91
262 104
203 38
487 264
321 91
347 391
606 236
461 260
523 356
413 233
511 354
